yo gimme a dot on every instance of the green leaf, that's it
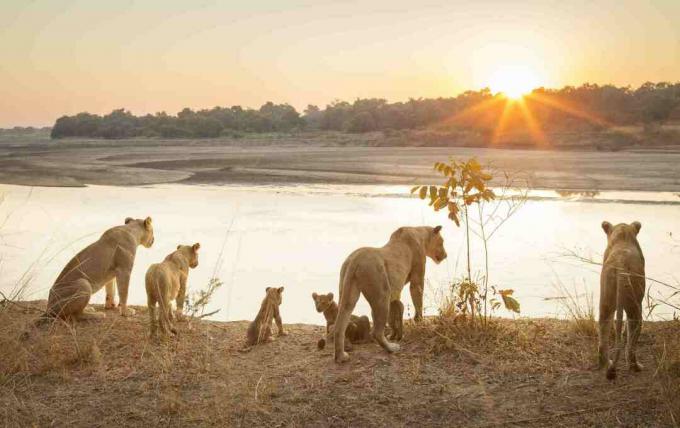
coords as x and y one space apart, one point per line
423 192
510 302
414 188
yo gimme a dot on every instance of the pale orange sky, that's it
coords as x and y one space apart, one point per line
67 56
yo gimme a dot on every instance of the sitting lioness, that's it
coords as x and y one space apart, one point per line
260 330
358 329
167 281
380 274
622 288
101 263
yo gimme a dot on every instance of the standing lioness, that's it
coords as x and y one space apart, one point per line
167 281
622 288
380 274
101 263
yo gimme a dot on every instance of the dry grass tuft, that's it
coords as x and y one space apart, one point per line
579 309
667 359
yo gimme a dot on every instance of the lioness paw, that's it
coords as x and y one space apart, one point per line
393 347
636 367
283 333
127 312
343 357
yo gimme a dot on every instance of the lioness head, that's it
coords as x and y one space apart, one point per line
147 228
190 252
274 294
435 245
322 301
622 232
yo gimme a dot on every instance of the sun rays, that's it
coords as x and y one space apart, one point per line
525 112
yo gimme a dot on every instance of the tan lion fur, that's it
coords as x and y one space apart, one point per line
260 330
101 263
380 274
358 329
167 281
622 288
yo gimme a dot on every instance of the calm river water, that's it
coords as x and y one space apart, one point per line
298 236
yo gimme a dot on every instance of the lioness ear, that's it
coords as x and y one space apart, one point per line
607 227
267 289
280 290
315 296
196 246
637 225
437 229
147 222
330 296
179 246
128 220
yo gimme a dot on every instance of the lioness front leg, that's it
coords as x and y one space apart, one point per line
181 295
110 291
416 289
279 323
123 281
123 260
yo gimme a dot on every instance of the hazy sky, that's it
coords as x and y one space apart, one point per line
66 56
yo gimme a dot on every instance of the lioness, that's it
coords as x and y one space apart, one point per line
380 274
622 287
358 329
167 281
260 330
108 259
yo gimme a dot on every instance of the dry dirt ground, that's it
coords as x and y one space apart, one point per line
312 158
523 373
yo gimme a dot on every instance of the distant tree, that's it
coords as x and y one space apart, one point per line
588 107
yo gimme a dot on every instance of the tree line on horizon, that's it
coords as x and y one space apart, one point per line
588 106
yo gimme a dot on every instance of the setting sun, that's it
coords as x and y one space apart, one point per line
514 81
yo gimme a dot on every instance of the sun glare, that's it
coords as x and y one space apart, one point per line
514 81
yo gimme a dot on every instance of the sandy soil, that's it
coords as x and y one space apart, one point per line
527 373
300 159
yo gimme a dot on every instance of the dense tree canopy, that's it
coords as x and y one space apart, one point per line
588 105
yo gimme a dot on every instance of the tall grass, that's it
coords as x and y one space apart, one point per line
578 308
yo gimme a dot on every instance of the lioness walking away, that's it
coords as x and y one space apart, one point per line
260 330
380 274
167 281
101 263
358 329
622 287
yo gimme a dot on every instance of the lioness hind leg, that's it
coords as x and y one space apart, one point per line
153 326
72 301
605 328
348 300
633 328
396 320
380 313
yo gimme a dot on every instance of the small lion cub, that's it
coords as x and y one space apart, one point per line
167 281
358 329
260 330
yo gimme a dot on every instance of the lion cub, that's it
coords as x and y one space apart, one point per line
358 329
167 281
260 330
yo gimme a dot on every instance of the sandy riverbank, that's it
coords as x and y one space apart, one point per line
310 160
